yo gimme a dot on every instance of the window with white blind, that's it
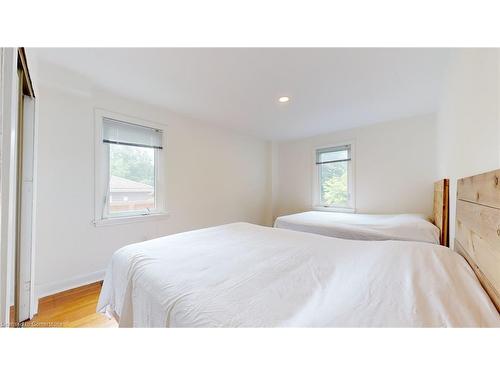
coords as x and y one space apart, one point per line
129 167
334 178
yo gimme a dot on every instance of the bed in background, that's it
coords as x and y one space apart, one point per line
402 227
245 275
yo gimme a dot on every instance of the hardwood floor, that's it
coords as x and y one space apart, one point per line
72 308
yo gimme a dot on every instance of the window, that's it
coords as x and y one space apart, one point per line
129 168
334 178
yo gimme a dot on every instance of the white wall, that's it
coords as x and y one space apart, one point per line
395 167
468 121
214 176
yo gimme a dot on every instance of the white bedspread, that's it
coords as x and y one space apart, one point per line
403 227
244 275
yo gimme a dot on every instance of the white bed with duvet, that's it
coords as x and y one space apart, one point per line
245 275
403 227
370 227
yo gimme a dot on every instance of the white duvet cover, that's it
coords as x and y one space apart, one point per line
244 275
403 227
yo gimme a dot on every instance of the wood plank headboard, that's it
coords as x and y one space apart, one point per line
441 209
477 236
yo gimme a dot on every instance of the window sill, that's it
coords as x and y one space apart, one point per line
334 209
130 219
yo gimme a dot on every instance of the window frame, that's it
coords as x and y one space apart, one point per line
316 184
101 174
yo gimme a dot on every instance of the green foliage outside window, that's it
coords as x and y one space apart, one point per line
334 184
132 163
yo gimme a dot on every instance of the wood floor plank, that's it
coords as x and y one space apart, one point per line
75 308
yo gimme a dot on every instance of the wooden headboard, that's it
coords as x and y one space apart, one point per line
441 209
477 236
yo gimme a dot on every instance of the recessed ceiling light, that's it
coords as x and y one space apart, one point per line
284 99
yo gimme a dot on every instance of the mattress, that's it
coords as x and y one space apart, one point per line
403 227
244 275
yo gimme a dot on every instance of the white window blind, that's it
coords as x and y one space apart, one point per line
124 133
333 154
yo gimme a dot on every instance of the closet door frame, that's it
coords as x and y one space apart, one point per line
16 88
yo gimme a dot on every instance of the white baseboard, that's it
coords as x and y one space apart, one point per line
44 290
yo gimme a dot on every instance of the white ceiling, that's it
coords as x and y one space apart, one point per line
330 89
